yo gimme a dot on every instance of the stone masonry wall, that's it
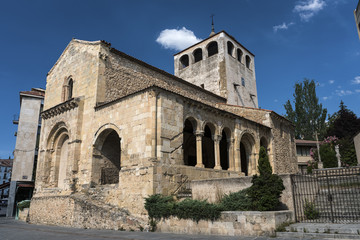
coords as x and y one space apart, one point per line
124 71
213 190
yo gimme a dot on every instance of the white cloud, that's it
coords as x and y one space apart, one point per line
331 81
356 80
343 92
177 39
283 26
325 98
276 100
307 9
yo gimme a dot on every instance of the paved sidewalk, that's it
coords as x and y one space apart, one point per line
17 230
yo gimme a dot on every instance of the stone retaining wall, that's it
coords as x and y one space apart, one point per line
213 190
74 211
251 223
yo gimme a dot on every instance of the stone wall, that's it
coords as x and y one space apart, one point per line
77 211
357 147
231 223
213 190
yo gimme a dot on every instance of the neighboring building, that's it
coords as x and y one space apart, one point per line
303 153
26 148
5 177
357 18
116 130
357 147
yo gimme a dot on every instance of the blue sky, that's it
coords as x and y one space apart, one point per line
291 40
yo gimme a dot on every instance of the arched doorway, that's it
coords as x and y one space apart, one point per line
224 150
208 147
247 152
244 159
62 156
107 158
189 143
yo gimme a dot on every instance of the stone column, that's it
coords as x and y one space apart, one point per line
199 135
217 139
231 153
237 160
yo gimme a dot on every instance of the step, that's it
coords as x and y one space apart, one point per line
330 228
321 231
300 235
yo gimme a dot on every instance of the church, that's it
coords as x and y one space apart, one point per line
116 130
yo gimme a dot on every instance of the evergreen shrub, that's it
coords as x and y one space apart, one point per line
266 188
237 201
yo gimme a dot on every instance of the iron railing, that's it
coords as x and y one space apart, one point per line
327 195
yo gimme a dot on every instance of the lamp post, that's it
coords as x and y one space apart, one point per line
320 164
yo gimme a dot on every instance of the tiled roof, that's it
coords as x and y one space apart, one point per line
34 92
305 142
6 162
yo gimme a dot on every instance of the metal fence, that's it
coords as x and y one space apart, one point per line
327 195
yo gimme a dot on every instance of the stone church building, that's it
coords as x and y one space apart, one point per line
116 130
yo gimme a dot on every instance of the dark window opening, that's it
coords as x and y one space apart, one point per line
243 82
248 61
212 49
184 60
230 48
239 55
70 89
198 55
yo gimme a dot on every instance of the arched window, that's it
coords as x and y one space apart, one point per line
197 55
212 49
239 55
230 48
184 61
70 89
248 61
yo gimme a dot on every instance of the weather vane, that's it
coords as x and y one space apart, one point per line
212 25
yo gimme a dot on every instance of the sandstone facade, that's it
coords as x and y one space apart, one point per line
122 130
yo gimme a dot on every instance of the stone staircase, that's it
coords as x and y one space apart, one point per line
321 231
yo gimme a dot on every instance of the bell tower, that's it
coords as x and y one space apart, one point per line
220 64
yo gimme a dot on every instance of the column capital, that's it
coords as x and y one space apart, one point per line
216 137
199 133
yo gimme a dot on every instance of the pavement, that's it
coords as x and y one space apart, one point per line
10 229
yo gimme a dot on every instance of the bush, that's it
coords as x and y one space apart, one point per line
328 155
266 190
197 210
310 211
159 206
238 201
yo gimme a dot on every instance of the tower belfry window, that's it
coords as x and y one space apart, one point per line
230 48
248 61
239 55
212 49
184 61
197 55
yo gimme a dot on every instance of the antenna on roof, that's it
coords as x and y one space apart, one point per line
212 25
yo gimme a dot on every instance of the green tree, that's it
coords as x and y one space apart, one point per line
344 124
308 115
266 188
